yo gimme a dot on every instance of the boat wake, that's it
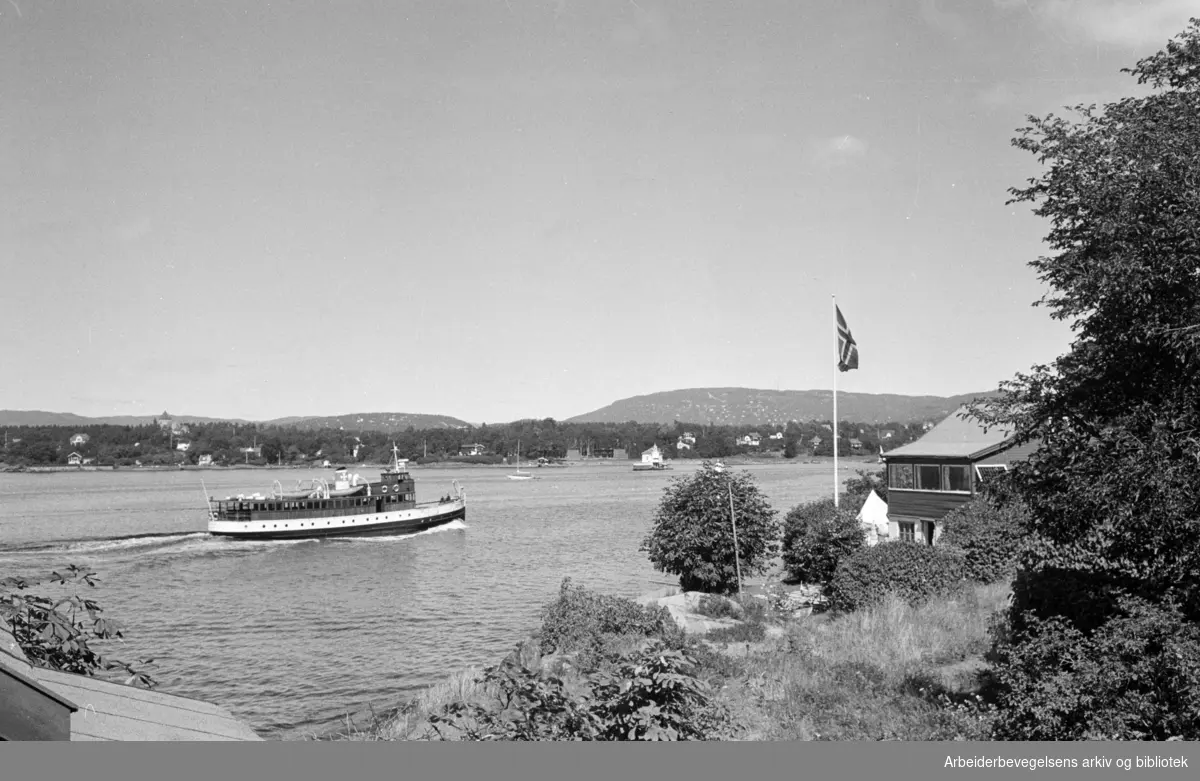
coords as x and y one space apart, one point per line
156 550
141 547
455 525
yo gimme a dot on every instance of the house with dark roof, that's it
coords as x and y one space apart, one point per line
41 704
942 470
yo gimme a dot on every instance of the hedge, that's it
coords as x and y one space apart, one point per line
913 571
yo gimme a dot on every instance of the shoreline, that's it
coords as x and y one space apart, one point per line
739 460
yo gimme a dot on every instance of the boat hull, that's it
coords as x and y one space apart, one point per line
382 524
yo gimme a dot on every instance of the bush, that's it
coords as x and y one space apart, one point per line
653 695
692 536
714 606
989 536
817 537
914 572
1137 677
56 633
581 621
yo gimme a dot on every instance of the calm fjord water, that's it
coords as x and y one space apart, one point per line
292 636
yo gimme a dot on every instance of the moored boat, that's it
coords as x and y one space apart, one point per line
352 507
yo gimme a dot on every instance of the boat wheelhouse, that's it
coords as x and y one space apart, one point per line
351 507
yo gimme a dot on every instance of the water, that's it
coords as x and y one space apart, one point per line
292 636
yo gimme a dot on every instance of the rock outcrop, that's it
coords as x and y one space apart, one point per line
685 610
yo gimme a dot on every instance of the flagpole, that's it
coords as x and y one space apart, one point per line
837 351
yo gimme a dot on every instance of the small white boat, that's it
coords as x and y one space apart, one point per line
519 475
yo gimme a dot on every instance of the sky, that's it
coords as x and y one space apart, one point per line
500 209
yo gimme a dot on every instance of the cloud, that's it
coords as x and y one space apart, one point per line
1117 22
838 150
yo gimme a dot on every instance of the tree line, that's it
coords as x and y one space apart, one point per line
228 443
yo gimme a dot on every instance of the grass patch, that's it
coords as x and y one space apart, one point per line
890 672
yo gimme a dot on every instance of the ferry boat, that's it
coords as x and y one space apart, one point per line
351 507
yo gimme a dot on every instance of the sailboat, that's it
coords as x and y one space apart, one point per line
519 474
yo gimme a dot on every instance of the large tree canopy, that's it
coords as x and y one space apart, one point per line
1111 577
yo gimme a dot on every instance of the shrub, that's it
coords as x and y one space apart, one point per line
654 694
1137 677
715 606
990 537
581 621
742 632
816 538
56 633
912 571
692 536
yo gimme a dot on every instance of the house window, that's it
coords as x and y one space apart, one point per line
985 473
957 478
908 532
900 476
929 478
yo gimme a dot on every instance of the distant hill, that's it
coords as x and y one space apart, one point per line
371 421
12 417
362 421
754 407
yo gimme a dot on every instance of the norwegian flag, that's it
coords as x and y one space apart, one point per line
847 347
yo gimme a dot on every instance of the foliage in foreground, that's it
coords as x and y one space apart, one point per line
58 634
891 671
589 625
1101 638
692 535
653 694
989 535
1134 678
910 570
817 537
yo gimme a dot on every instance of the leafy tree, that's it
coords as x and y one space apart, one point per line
1113 491
859 487
692 536
57 633
816 538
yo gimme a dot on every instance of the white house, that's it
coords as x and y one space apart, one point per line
74 459
79 439
471 450
750 440
183 446
204 460
682 444
652 456
777 435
